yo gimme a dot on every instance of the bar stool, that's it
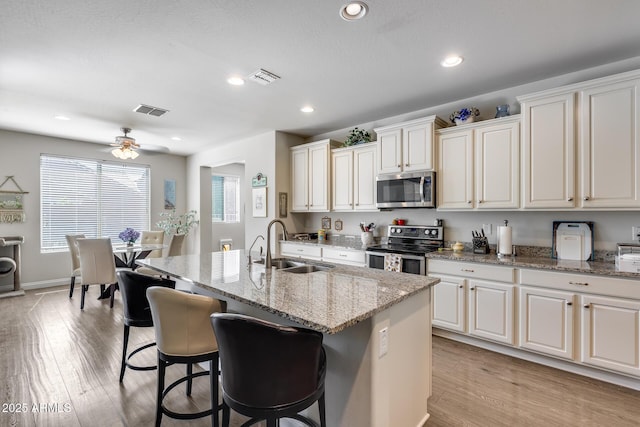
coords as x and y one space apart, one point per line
269 371
137 312
184 335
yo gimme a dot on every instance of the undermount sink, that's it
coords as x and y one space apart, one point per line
306 268
293 266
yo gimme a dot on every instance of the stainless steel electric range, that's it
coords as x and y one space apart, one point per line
410 244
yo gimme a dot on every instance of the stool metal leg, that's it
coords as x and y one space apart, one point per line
125 341
161 371
189 381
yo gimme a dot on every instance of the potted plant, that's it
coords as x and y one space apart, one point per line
357 136
464 115
177 224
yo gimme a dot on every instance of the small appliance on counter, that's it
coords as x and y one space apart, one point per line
572 240
628 258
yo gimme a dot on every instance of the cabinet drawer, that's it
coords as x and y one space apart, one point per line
625 288
298 250
343 256
473 270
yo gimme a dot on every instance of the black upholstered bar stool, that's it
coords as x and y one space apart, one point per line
269 371
137 312
184 335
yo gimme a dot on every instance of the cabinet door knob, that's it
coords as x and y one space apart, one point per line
569 303
586 198
480 201
399 165
468 202
570 199
460 286
587 306
472 289
406 164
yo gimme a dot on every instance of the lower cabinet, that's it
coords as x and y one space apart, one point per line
585 319
298 250
546 321
610 333
331 254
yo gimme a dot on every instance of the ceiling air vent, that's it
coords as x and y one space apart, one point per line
149 110
263 77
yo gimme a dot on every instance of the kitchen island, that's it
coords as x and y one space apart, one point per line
376 326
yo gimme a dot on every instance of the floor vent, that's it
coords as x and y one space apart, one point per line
263 77
149 110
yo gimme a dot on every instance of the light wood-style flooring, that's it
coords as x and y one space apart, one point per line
60 365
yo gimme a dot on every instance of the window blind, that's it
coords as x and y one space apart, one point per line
95 198
225 198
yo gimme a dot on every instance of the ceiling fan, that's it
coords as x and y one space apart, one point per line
125 146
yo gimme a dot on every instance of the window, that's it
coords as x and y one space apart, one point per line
225 198
92 197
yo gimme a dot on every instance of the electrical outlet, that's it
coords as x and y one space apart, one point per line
383 336
635 233
488 229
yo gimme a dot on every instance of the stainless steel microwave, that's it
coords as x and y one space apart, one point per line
406 190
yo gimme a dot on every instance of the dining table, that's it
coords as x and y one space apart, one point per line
127 255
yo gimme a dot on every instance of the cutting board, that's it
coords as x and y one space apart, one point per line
573 240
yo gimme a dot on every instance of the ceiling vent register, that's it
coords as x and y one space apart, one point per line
263 77
150 111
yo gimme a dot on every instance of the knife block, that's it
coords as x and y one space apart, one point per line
480 245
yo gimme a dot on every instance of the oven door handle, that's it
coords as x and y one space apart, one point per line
422 189
404 256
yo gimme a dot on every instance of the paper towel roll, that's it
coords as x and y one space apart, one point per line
504 240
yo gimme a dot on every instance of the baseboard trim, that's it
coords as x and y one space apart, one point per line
587 371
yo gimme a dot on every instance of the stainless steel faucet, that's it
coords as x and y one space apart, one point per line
259 236
267 261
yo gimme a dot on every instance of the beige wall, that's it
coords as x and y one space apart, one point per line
20 157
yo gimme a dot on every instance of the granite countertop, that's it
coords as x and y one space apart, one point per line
600 268
327 301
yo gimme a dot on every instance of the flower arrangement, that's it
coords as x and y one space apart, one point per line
129 235
177 224
357 136
464 114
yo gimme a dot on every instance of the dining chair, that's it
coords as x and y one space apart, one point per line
75 259
184 335
97 266
269 371
175 247
136 312
151 238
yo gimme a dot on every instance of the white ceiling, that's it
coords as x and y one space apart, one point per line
95 61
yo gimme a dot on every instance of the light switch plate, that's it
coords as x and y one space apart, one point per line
383 341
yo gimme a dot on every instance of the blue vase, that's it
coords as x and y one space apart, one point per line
502 111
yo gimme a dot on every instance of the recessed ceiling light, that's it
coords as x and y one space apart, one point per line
176 138
235 80
307 109
61 117
354 10
452 61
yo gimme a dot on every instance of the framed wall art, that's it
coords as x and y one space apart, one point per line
169 193
259 202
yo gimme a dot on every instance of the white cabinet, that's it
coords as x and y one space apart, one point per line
449 303
611 333
408 146
583 154
353 178
548 148
546 321
345 256
491 311
469 303
610 145
310 176
300 250
479 165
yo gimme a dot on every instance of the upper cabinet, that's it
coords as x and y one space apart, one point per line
408 146
479 165
581 145
310 176
353 171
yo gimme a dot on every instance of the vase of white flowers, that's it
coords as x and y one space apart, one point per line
464 115
177 224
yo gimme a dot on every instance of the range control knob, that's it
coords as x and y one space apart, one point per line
434 232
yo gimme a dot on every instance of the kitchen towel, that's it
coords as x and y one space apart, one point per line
393 262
